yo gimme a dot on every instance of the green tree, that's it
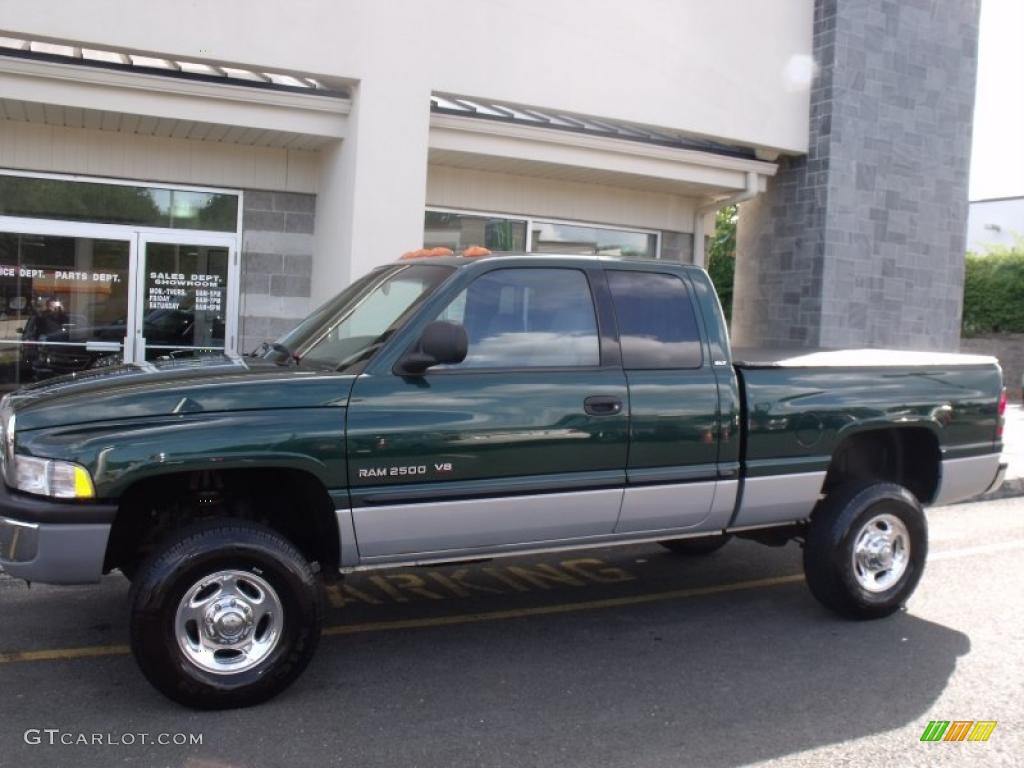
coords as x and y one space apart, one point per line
721 256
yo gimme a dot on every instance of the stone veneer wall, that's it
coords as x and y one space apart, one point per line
277 264
861 241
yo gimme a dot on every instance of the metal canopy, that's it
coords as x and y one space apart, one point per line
447 104
177 68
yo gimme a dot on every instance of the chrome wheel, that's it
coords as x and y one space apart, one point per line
229 622
881 553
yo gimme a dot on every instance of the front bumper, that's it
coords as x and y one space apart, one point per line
51 541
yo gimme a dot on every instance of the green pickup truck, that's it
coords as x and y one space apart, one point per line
448 409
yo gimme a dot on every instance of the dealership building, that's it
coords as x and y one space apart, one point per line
197 180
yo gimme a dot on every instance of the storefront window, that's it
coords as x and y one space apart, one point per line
459 231
32 197
549 237
63 305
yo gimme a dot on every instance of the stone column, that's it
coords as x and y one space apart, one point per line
861 241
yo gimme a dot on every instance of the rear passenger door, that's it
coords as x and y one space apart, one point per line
524 441
672 473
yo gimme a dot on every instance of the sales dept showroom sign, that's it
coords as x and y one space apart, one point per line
173 290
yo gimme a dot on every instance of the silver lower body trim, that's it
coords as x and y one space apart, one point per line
531 548
677 505
999 479
349 546
407 530
778 499
965 478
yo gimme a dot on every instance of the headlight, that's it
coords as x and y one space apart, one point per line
46 477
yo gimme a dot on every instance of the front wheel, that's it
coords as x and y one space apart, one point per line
865 550
225 614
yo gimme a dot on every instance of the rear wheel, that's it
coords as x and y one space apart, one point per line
225 614
866 549
704 545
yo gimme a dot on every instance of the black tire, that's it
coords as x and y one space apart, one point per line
837 523
184 560
704 545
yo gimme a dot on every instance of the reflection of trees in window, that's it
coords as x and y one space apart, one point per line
458 231
220 213
78 201
500 236
117 204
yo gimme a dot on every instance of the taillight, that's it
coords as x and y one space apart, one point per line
1002 414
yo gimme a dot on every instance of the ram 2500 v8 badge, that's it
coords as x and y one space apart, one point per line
447 409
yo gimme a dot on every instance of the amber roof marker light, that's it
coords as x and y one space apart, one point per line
473 252
426 253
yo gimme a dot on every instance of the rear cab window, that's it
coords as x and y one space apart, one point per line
657 324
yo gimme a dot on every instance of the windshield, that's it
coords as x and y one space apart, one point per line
343 334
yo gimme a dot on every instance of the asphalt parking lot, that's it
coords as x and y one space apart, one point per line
629 657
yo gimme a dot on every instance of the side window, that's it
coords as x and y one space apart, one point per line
657 326
527 318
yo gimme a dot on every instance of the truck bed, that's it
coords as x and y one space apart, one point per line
799 406
853 358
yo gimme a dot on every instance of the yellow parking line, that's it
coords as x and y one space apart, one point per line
62 654
544 610
89 652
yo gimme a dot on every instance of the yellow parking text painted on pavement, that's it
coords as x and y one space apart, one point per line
68 654
406 586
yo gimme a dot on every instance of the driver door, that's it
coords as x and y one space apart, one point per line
524 441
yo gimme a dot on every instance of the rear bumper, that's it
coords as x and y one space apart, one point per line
53 542
997 482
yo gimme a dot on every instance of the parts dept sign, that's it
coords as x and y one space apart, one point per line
178 290
59 275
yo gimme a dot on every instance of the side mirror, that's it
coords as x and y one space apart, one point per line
442 343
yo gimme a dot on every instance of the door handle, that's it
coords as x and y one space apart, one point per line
602 405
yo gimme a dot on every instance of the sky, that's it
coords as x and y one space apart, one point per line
997 153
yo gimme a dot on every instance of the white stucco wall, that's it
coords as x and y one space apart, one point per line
732 69
92 152
507 193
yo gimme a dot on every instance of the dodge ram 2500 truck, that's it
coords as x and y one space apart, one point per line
447 409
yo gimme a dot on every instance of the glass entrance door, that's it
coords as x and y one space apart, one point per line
64 304
184 297
75 297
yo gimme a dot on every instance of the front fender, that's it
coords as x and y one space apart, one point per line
120 454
